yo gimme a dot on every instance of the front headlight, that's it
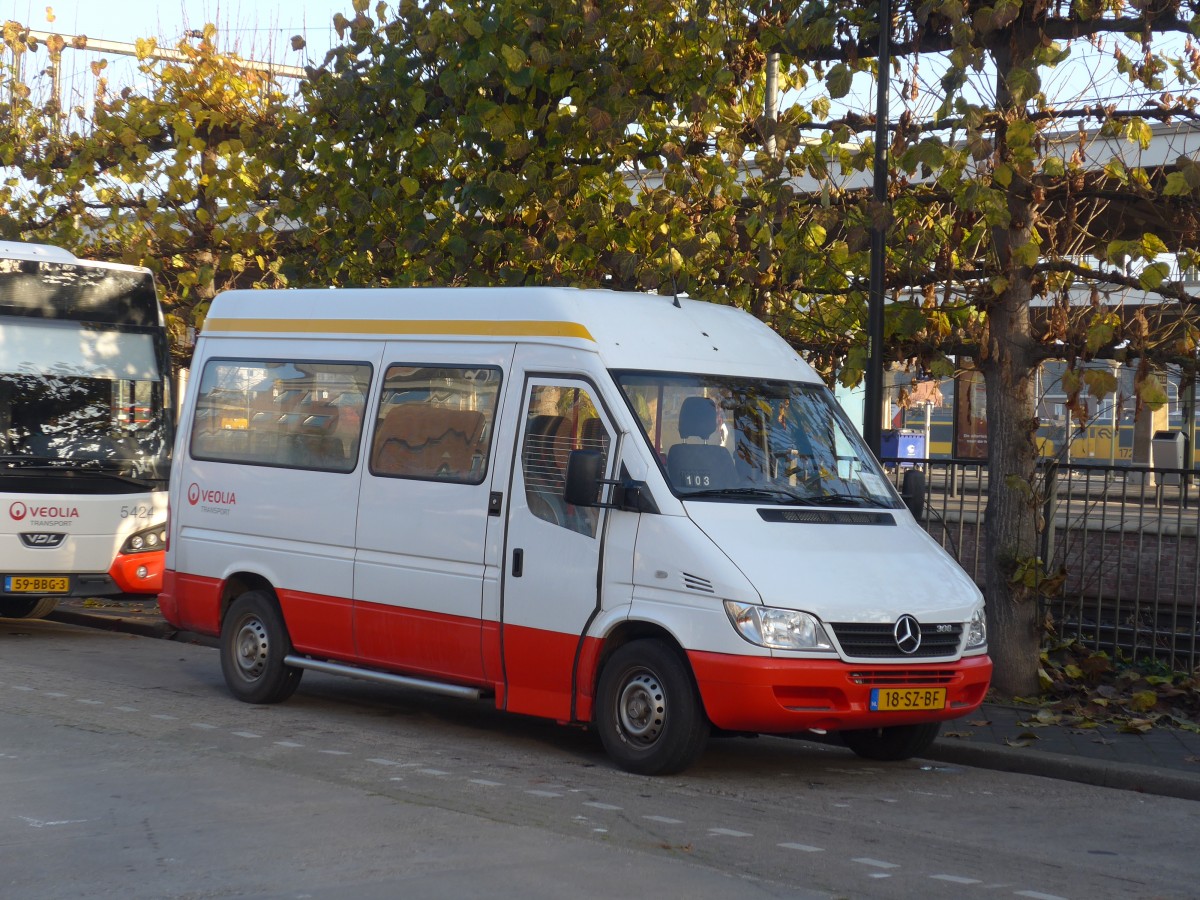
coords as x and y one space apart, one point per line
145 540
778 629
977 630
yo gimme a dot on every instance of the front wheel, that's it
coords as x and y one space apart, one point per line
36 608
254 642
648 712
891 744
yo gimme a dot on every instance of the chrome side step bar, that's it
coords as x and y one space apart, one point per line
332 668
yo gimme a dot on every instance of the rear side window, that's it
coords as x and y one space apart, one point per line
288 413
435 422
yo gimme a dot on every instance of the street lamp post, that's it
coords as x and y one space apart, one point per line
872 425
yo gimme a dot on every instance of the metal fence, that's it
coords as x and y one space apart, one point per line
1119 543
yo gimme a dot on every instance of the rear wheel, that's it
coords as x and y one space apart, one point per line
891 744
648 712
32 608
254 642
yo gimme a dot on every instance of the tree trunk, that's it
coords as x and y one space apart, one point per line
1009 365
1010 531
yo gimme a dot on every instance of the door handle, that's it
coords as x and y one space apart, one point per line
518 563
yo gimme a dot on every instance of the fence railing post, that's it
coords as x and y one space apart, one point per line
1049 510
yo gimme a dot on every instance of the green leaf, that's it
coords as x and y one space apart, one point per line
1177 185
1100 382
1153 275
838 80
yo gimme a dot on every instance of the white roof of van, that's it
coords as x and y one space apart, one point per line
629 331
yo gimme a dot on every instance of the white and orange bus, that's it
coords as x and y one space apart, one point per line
640 514
86 430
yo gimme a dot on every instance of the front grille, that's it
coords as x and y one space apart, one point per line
894 677
879 641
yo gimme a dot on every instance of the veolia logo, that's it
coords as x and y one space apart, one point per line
18 511
197 494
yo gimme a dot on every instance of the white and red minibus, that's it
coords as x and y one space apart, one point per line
640 514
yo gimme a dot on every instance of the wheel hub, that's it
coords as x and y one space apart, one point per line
642 708
251 648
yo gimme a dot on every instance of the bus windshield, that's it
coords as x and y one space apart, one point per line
82 395
729 439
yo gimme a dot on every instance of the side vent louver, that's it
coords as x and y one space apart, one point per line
696 583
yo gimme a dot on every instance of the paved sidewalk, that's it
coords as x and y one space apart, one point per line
1163 761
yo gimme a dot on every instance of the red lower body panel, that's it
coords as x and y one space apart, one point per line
777 696
549 674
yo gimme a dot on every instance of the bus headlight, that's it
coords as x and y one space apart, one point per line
146 540
778 629
977 630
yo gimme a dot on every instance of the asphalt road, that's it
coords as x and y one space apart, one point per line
127 770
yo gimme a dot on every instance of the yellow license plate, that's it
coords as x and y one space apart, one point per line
36 584
902 699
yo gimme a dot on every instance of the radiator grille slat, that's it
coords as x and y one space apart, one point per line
871 641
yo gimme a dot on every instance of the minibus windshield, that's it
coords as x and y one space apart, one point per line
730 439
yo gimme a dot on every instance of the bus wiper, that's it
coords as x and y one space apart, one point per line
100 468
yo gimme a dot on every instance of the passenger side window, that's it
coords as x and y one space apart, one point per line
560 419
287 413
435 422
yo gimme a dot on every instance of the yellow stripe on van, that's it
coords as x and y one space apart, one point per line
406 326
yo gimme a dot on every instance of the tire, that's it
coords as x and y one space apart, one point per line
648 711
891 744
254 642
35 608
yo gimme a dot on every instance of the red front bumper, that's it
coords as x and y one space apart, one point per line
138 573
779 696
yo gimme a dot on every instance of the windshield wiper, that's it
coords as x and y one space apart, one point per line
841 500
760 493
98 468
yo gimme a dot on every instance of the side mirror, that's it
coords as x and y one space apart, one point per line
912 492
583 478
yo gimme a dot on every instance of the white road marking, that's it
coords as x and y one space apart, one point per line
433 772
596 805
955 879
383 762
203 725
729 832
666 820
543 793
486 783
1034 895
287 744
335 752
38 823
55 694
21 687
803 848
89 702
164 717
127 708
247 734
877 863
